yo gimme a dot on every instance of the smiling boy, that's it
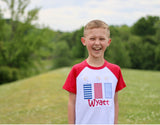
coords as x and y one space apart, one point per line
93 84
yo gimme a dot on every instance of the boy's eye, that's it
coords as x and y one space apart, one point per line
92 39
102 39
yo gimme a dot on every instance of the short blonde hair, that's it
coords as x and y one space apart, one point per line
96 24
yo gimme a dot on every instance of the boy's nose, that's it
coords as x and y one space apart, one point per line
97 41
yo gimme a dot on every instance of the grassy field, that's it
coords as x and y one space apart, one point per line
40 99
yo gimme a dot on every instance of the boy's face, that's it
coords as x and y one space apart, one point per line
96 41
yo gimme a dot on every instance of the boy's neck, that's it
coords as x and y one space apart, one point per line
95 62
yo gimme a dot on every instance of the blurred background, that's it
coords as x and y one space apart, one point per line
38 36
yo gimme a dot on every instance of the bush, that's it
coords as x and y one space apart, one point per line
118 54
8 74
61 55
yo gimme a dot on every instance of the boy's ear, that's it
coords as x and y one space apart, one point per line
83 41
109 42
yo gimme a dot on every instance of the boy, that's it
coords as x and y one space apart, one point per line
93 84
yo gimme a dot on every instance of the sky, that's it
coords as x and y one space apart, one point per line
70 15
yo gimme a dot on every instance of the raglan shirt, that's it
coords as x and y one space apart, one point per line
95 88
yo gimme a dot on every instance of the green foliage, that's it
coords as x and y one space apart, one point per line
131 47
68 37
145 26
117 53
135 47
148 57
157 35
21 43
123 32
144 52
62 56
157 57
24 45
8 74
78 50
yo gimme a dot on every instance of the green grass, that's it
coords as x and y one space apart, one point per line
40 99
140 101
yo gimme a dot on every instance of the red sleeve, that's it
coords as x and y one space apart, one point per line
116 70
120 84
70 83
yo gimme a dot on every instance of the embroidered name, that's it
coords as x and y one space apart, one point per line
95 102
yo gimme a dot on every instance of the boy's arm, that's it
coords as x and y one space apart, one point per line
116 108
71 108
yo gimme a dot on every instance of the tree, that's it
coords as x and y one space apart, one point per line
157 57
78 50
144 53
117 53
157 49
145 26
157 35
61 54
22 43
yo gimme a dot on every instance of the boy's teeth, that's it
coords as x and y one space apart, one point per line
97 48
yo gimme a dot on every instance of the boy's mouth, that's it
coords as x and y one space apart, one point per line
96 48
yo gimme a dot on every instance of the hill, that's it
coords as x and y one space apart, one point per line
40 99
